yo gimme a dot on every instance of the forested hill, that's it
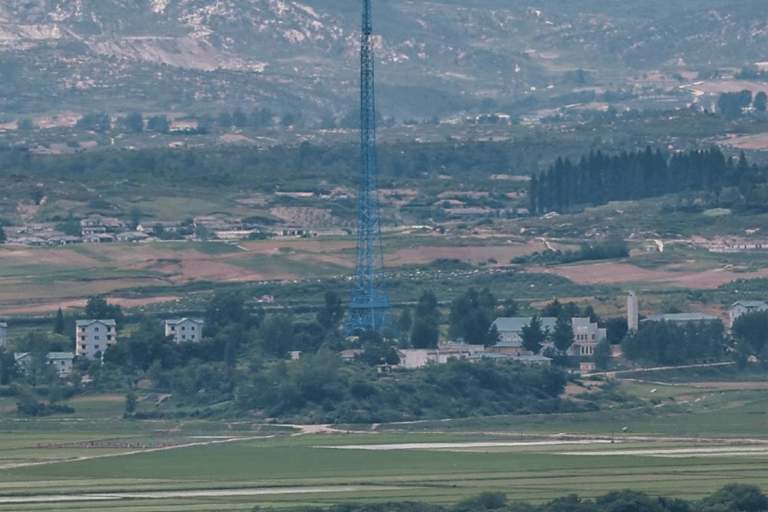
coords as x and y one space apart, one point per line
598 178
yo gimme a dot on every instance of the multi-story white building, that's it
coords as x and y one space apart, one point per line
586 335
3 333
92 337
184 329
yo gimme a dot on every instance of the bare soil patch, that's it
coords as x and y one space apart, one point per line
80 303
754 142
473 254
611 272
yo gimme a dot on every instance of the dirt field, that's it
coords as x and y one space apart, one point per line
45 279
609 272
754 142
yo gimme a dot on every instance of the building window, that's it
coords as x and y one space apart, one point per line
96 329
173 327
182 327
83 347
192 336
95 337
183 337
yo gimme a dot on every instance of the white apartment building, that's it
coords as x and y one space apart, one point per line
92 337
184 329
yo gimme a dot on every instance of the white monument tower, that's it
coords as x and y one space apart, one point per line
632 311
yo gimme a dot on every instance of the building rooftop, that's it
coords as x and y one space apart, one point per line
83 323
750 303
516 323
177 321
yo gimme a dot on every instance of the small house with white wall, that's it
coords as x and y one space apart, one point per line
3 333
62 361
743 307
184 329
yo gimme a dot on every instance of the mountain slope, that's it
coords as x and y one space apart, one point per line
433 58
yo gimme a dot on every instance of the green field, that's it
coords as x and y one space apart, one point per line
704 439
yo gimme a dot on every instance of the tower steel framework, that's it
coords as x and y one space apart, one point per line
369 309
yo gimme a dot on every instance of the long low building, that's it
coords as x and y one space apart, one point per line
586 334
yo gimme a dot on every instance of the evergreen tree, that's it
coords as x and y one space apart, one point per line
426 323
58 326
533 336
471 316
562 336
602 354
332 312
97 309
760 101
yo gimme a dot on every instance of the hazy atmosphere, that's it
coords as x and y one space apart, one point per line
383 255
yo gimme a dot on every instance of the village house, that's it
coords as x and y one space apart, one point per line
511 330
62 361
108 223
153 228
3 333
419 357
184 329
92 337
742 307
131 236
187 125
586 335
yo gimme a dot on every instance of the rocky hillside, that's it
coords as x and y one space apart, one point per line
435 58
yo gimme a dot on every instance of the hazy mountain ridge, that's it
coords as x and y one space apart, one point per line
307 50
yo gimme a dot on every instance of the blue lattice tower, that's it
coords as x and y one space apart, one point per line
369 309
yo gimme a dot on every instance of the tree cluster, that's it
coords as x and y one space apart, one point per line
605 250
670 343
471 317
598 178
730 498
319 388
732 105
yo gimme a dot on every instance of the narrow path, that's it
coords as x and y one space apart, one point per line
655 368
132 452
197 493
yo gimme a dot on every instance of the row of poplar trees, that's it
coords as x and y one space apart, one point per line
598 178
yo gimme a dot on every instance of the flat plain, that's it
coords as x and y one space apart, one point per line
699 437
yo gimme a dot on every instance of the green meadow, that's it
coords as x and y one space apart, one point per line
704 439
